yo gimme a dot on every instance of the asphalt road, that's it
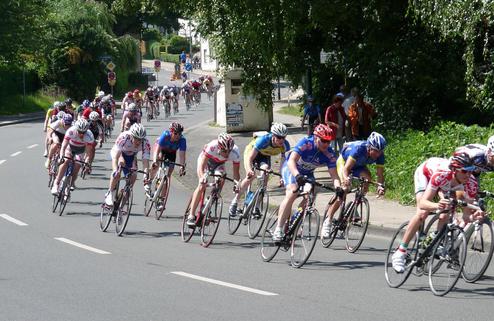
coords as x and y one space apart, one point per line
150 274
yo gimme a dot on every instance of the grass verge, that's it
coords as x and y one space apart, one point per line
13 105
293 110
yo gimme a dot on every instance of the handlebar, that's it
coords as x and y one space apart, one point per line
362 180
267 171
312 182
77 161
167 162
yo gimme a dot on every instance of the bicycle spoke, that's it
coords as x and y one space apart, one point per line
304 238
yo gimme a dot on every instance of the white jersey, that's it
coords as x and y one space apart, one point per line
58 126
211 151
72 136
124 144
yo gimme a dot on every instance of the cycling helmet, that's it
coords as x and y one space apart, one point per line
62 106
133 107
176 128
461 161
324 132
225 142
86 103
67 119
376 141
56 104
137 91
60 115
94 116
490 143
100 94
138 131
279 129
68 101
82 125
310 98
129 94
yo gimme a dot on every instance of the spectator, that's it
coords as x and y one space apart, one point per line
360 115
183 57
335 118
348 100
312 113
343 92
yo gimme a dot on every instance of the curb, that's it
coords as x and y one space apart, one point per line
22 120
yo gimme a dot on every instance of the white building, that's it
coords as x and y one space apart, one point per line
207 62
188 29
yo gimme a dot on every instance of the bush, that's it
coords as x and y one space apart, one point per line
176 44
151 34
154 50
166 57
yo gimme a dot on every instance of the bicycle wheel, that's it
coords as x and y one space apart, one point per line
211 221
148 205
335 225
105 217
269 248
393 278
234 222
447 260
357 224
480 246
304 238
258 214
64 193
187 232
123 211
55 203
163 199
53 170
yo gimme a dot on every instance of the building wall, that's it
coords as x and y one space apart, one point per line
207 63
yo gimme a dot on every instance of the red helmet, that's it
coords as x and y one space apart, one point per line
323 131
129 94
137 91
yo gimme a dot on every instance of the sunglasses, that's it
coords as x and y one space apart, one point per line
278 137
324 141
81 132
465 171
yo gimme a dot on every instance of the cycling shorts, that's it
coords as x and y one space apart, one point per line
420 181
260 159
288 178
57 137
129 163
170 156
355 172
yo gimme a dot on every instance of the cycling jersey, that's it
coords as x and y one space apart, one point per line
196 85
311 157
72 136
88 111
265 146
58 126
166 145
124 144
96 128
212 153
150 94
478 154
358 151
312 110
133 117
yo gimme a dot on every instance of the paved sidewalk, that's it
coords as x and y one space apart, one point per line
21 118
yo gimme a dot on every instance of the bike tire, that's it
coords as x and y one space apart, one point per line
447 260
55 203
480 246
257 215
357 224
269 248
123 211
235 222
164 183
148 205
211 221
335 228
105 217
64 193
187 232
393 278
305 238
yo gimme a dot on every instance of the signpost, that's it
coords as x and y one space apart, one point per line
157 68
112 76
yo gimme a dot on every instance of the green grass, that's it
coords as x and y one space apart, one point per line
213 124
293 110
166 57
13 105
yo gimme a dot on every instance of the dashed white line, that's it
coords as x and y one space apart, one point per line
2 161
226 284
13 220
32 146
82 246
15 154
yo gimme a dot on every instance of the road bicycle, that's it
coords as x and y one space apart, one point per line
255 206
196 97
188 102
155 197
63 195
167 108
353 219
301 231
442 256
53 168
119 213
209 212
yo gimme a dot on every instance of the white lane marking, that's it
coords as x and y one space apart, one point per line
229 285
32 146
82 246
2 161
15 154
13 220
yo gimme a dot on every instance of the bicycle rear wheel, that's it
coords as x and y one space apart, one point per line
269 248
257 214
211 221
393 278
55 203
234 222
123 211
64 193
447 260
187 232
357 224
105 217
304 238
480 246
164 184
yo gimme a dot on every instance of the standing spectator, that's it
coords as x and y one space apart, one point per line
182 57
312 113
335 118
343 92
348 100
360 115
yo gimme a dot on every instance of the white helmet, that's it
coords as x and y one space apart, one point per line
490 143
94 116
60 115
279 129
133 107
56 104
101 94
138 131
225 141
82 125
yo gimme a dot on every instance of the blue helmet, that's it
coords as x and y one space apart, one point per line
376 141
67 119
86 103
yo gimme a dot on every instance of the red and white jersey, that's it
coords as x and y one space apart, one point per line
441 177
58 126
212 152
124 144
72 135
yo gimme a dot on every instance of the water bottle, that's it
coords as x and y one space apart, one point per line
422 240
295 215
248 197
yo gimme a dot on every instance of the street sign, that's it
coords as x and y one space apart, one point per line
112 75
112 82
157 65
110 66
323 56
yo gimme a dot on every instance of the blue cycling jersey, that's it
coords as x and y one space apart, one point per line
312 111
264 146
358 151
167 145
311 157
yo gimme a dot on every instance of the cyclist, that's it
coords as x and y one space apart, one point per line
309 153
174 92
312 113
437 176
130 117
123 153
259 152
138 100
88 111
213 157
482 156
186 92
107 106
96 128
196 90
69 107
56 131
128 99
48 118
353 161
165 98
149 98
166 148
98 97
85 104
75 145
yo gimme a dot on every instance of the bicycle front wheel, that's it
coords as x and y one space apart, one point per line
64 193
447 260
235 221
304 238
105 217
357 224
123 212
480 246
257 215
162 199
187 232
269 248
211 221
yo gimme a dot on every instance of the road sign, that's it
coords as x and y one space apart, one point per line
110 66
157 65
112 75
112 82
